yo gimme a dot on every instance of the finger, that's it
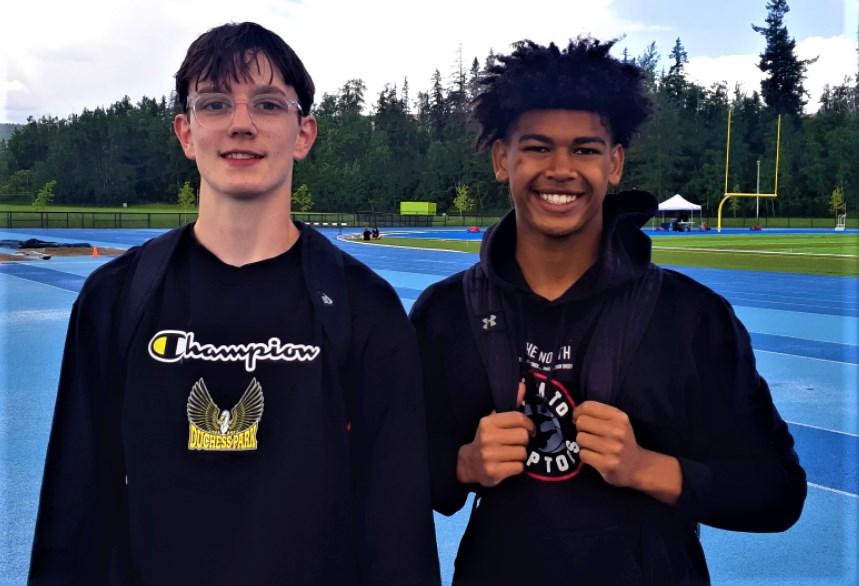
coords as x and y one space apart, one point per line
511 419
595 409
591 443
596 414
504 454
599 427
589 423
503 436
515 436
484 458
498 472
612 450
520 394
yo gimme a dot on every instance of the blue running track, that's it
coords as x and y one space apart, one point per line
805 331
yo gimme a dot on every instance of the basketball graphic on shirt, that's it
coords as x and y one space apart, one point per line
552 452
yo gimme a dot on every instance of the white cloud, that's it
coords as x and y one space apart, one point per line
93 52
390 41
731 69
67 56
836 60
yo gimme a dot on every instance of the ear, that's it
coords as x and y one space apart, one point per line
616 165
499 161
182 129
307 130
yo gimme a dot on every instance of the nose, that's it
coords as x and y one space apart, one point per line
562 166
242 121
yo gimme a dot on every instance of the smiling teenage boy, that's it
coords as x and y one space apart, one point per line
210 427
596 458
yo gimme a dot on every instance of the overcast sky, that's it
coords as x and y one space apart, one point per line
58 57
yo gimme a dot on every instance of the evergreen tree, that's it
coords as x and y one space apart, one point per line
782 89
675 81
649 62
439 106
474 79
679 56
407 105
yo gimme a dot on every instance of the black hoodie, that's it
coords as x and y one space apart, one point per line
140 482
690 388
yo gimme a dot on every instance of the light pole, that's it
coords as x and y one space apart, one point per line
758 199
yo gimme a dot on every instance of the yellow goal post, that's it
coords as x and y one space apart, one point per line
729 194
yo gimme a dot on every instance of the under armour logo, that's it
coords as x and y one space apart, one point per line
326 299
489 322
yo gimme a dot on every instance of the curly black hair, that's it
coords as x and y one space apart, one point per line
581 77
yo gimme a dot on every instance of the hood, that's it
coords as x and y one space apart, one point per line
624 248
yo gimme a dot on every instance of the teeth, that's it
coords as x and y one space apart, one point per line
558 198
241 156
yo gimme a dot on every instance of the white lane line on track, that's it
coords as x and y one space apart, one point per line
835 490
758 350
824 429
739 251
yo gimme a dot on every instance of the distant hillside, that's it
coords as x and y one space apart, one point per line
7 129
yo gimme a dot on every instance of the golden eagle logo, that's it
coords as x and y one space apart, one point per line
212 428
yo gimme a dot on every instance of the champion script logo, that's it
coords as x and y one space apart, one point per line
175 345
489 321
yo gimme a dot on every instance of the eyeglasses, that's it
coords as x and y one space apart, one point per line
216 110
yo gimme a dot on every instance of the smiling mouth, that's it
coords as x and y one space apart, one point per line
558 198
241 156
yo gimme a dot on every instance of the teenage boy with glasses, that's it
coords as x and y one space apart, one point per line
229 440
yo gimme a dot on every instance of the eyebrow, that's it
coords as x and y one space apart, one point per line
219 88
576 141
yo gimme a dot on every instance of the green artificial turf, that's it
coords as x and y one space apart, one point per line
815 254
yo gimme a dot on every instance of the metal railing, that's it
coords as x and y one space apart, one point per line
166 220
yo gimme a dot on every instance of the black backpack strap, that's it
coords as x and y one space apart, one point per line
486 317
146 277
617 335
325 279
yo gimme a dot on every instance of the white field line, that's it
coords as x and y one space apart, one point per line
805 357
826 429
819 486
739 251
835 490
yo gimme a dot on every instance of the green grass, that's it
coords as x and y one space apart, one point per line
142 208
814 254
433 243
834 243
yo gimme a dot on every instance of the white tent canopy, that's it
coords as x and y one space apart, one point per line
676 205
